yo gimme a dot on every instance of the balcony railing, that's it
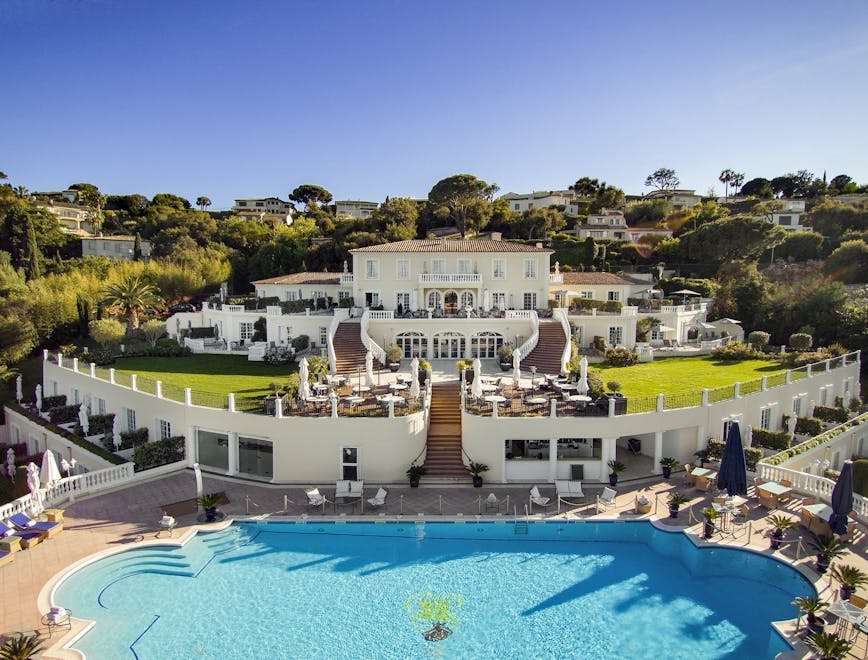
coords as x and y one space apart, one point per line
450 278
556 278
347 278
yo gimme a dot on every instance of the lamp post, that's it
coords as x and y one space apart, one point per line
533 380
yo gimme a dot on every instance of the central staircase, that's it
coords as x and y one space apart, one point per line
349 350
546 357
443 457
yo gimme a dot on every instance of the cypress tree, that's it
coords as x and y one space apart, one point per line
31 250
137 248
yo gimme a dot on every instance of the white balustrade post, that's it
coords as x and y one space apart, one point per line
808 369
230 402
765 383
188 396
494 410
612 407
158 389
658 451
554 407
60 359
45 355
333 399
391 408
112 376
133 382
788 377
278 408
705 397
660 402
75 364
736 390
92 370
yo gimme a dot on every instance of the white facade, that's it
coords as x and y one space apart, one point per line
113 247
72 217
306 286
608 224
264 208
520 203
355 209
680 199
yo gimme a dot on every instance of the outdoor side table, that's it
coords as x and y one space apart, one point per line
774 489
58 617
54 515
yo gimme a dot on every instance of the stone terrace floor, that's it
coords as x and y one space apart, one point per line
122 517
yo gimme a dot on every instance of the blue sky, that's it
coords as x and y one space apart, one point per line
376 98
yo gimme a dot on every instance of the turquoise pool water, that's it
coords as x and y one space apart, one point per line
409 590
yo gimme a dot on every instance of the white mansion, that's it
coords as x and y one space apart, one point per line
447 299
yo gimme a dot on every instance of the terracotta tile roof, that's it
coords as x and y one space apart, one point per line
599 278
303 278
453 245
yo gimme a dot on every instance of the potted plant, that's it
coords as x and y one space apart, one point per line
467 366
616 468
21 647
675 500
614 387
424 370
828 646
668 463
504 354
812 606
394 353
415 473
708 526
209 502
779 525
827 548
850 577
703 456
476 469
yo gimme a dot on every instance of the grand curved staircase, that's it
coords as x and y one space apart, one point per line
546 357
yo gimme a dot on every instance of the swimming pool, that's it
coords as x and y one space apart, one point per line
408 589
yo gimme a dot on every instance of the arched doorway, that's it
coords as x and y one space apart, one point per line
413 344
448 345
467 299
450 301
485 344
435 300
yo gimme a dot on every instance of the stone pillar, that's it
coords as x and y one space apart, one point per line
494 410
608 453
808 370
705 397
333 400
658 452
612 407
44 354
278 408
188 396
765 383
788 377
60 359
554 407
112 376
736 390
158 389
660 402
233 452
553 459
230 402
75 364
133 382
92 370
700 437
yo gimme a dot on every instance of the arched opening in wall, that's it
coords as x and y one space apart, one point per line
448 345
414 344
450 301
467 299
435 300
485 344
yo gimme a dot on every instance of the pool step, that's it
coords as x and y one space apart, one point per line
520 528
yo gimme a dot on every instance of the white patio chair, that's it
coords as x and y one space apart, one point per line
314 497
167 523
539 500
379 499
606 498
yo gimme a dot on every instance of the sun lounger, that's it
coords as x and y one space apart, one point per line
25 539
24 523
314 497
347 488
606 498
539 500
5 557
569 490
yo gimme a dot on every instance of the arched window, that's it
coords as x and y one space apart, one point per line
485 344
414 344
448 345
434 300
466 299
450 301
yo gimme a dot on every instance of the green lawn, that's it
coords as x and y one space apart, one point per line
684 374
221 374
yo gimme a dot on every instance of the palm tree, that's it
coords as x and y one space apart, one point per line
203 202
21 647
726 178
737 180
131 295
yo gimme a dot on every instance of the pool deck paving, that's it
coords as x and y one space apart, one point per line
125 516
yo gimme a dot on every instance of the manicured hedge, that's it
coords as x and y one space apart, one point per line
808 426
779 440
63 414
752 455
161 452
613 306
816 441
49 402
136 438
829 414
164 347
100 424
621 357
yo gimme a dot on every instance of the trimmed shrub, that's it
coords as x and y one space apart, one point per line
828 414
49 402
752 456
777 440
164 347
136 438
346 303
715 449
613 306
801 341
63 414
808 426
204 332
100 424
757 339
300 343
102 357
161 452
599 343
621 357
796 360
259 330
816 441
735 351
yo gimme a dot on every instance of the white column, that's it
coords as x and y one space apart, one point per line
700 437
158 389
75 364
737 390
112 376
660 403
658 452
233 452
554 407
133 383
188 396
230 402
92 370
607 453
553 459
765 383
